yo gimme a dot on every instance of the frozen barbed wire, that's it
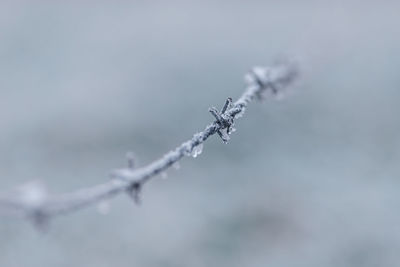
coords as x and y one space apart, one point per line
36 204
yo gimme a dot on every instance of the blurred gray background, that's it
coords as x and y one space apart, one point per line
309 181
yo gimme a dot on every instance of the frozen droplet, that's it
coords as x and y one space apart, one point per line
164 175
197 150
176 165
103 207
232 130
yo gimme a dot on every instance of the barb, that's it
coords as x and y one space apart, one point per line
38 206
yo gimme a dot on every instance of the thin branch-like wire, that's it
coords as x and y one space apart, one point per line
40 207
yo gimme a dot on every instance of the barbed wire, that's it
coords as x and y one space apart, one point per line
32 200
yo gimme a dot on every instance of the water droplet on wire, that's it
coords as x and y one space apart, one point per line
197 150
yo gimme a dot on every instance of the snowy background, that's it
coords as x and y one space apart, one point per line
309 181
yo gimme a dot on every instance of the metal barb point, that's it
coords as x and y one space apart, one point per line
216 114
131 160
227 105
40 220
135 192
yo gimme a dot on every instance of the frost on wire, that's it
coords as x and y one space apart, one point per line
32 201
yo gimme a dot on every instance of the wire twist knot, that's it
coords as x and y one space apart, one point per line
224 120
